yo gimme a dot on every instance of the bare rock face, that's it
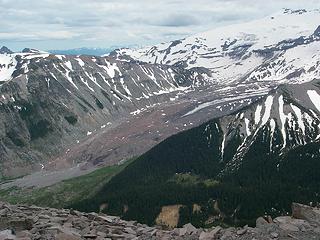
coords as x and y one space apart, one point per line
31 222
50 102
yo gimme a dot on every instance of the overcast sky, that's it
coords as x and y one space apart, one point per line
63 24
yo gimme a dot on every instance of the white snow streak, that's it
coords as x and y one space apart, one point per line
268 106
257 115
298 114
315 98
247 122
283 119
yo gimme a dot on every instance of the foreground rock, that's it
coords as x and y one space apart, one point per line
30 222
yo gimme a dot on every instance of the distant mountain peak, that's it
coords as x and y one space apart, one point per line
294 11
4 50
32 50
299 11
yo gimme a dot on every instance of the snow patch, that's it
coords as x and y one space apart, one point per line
247 122
257 114
283 119
268 106
7 67
315 98
298 114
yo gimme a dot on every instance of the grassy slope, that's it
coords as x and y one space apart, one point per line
65 193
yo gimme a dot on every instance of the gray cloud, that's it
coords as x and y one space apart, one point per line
177 20
51 24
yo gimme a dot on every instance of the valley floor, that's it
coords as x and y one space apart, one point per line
62 194
135 134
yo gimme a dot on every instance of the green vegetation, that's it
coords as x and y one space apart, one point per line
26 109
187 169
99 104
187 179
40 129
71 119
65 193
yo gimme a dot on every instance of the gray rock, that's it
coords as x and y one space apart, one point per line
274 235
129 230
19 224
7 235
66 236
188 229
310 214
154 232
205 236
261 222
289 227
210 234
101 234
228 234
90 236
4 212
290 224
60 226
241 231
182 232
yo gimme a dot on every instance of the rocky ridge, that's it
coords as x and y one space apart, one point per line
61 101
31 222
56 101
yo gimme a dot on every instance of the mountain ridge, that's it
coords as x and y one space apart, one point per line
81 99
85 92
227 49
232 160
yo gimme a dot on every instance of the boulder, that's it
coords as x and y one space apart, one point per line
67 236
274 235
287 223
307 213
289 227
182 232
228 234
241 231
24 234
210 234
7 235
20 224
261 222
189 229
205 236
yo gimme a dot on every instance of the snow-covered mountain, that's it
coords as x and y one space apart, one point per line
282 47
286 118
255 161
276 57
48 102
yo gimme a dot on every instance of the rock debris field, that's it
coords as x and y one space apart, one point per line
30 222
